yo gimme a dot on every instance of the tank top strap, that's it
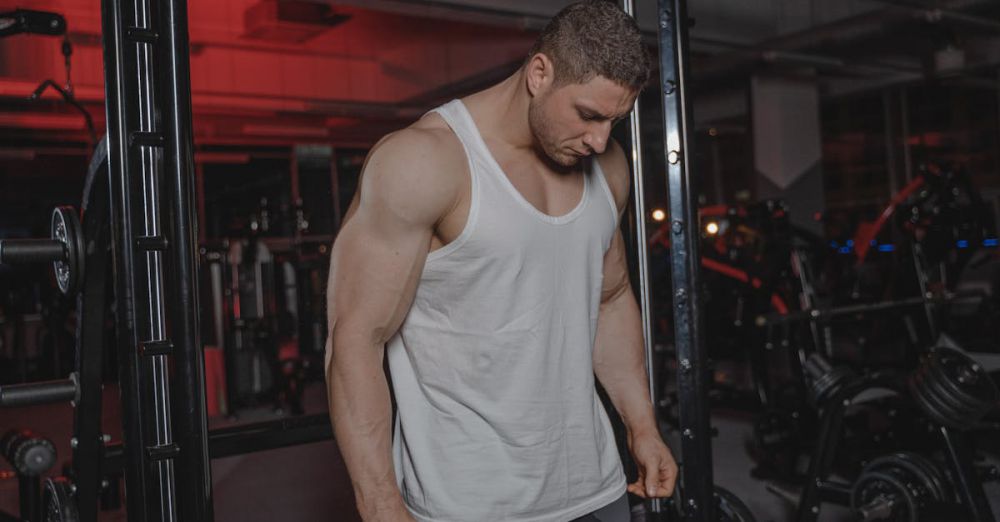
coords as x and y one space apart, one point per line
457 117
594 170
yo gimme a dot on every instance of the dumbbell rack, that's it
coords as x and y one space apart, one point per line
151 169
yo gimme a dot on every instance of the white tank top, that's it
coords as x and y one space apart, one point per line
492 369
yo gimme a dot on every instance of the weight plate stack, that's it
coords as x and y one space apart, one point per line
897 486
952 389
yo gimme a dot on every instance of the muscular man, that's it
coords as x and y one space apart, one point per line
483 249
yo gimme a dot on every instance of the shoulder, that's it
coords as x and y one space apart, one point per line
417 171
427 145
615 165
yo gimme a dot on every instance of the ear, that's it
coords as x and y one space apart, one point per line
539 74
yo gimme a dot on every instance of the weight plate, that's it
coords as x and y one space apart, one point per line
929 472
830 383
952 388
873 484
964 379
66 229
923 392
960 406
57 499
730 508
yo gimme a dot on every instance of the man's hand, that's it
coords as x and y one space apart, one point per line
657 469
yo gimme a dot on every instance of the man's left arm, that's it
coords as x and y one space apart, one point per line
620 359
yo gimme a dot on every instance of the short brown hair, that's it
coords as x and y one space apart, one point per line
594 38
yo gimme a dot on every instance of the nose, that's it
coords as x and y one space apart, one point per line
597 138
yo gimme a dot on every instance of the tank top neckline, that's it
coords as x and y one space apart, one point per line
480 143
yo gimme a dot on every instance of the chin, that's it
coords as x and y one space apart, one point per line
565 160
568 161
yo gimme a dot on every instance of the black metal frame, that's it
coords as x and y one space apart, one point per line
150 162
693 369
91 342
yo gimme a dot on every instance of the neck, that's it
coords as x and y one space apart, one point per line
505 113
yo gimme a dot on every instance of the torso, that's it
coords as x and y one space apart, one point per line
492 365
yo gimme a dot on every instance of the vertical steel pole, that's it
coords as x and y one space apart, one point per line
889 143
295 189
194 491
692 374
904 131
641 243
151 176
960 453
120 82
199 188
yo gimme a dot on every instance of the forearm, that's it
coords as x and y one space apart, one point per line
361 413
620 361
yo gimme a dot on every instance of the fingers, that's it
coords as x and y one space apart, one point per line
668 476
652 481
658 484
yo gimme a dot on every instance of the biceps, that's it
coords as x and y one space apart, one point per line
374 273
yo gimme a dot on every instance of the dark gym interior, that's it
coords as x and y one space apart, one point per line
844 159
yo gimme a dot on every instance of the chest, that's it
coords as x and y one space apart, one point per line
550 192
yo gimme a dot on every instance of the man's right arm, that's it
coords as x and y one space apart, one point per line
375 266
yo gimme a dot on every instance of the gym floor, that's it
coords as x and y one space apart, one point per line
309 483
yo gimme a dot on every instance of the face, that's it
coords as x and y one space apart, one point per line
573 121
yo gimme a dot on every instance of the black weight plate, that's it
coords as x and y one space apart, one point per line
961 406
831 382
57 501
730 508
925 393
871 484
916 468
66 229
957 406
930 473
918 387
965 378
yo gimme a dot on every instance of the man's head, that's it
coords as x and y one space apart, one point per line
583 73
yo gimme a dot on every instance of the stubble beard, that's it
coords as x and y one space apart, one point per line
542 132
